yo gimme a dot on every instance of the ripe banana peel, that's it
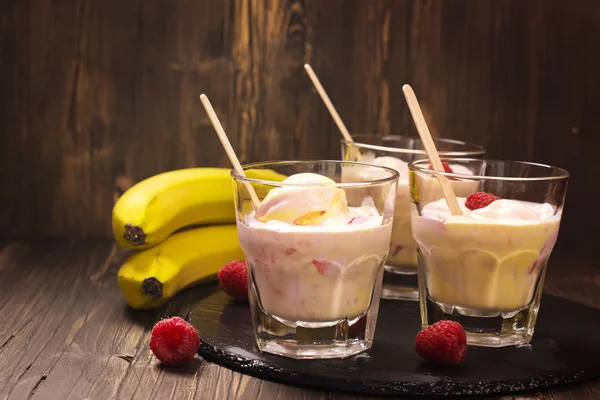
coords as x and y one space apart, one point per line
156 207
149 278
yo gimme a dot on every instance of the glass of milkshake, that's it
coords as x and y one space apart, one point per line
485 268
315 247
400 280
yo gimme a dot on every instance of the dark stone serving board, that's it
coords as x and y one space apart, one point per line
565 349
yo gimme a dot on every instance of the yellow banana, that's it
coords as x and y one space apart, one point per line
149 278
154 208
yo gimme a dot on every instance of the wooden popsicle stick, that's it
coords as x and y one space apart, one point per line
235 162
434 157
328 103
334 114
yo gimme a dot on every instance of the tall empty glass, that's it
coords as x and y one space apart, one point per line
486 267
315 248
400 281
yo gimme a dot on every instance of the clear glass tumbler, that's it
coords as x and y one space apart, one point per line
315 247
485 268
400 280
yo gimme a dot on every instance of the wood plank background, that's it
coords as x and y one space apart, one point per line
98 94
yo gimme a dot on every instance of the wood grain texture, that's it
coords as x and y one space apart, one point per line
66 332
95 94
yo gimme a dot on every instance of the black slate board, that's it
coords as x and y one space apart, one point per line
565 349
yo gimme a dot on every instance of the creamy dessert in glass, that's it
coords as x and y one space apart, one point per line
486 266
315 247
400 281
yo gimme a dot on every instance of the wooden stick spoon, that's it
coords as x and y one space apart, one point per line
434 157
235 162
328 103
334 114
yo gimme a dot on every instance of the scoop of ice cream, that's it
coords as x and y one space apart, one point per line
308 178
509 209
394 163
356 173
303 205
460 169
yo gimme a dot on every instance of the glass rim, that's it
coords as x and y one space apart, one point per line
394 175
564 174
453 153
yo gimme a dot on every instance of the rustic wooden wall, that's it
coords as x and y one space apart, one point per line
97 93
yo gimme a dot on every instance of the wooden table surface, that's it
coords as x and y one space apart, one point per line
66 332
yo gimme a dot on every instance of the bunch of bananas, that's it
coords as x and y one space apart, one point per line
150 217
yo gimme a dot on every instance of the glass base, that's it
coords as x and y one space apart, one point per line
313 339
485 328
400 283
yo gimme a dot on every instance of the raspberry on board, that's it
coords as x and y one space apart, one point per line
444 342
174 341
233 278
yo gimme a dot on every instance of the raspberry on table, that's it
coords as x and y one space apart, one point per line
174 341
233 278
444 342
479 200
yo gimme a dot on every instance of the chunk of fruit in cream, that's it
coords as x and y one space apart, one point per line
305 204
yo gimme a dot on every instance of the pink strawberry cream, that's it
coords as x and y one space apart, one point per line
316 259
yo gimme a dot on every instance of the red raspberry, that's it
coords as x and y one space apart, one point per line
233 278
446 167
444 342
480 200
174 341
